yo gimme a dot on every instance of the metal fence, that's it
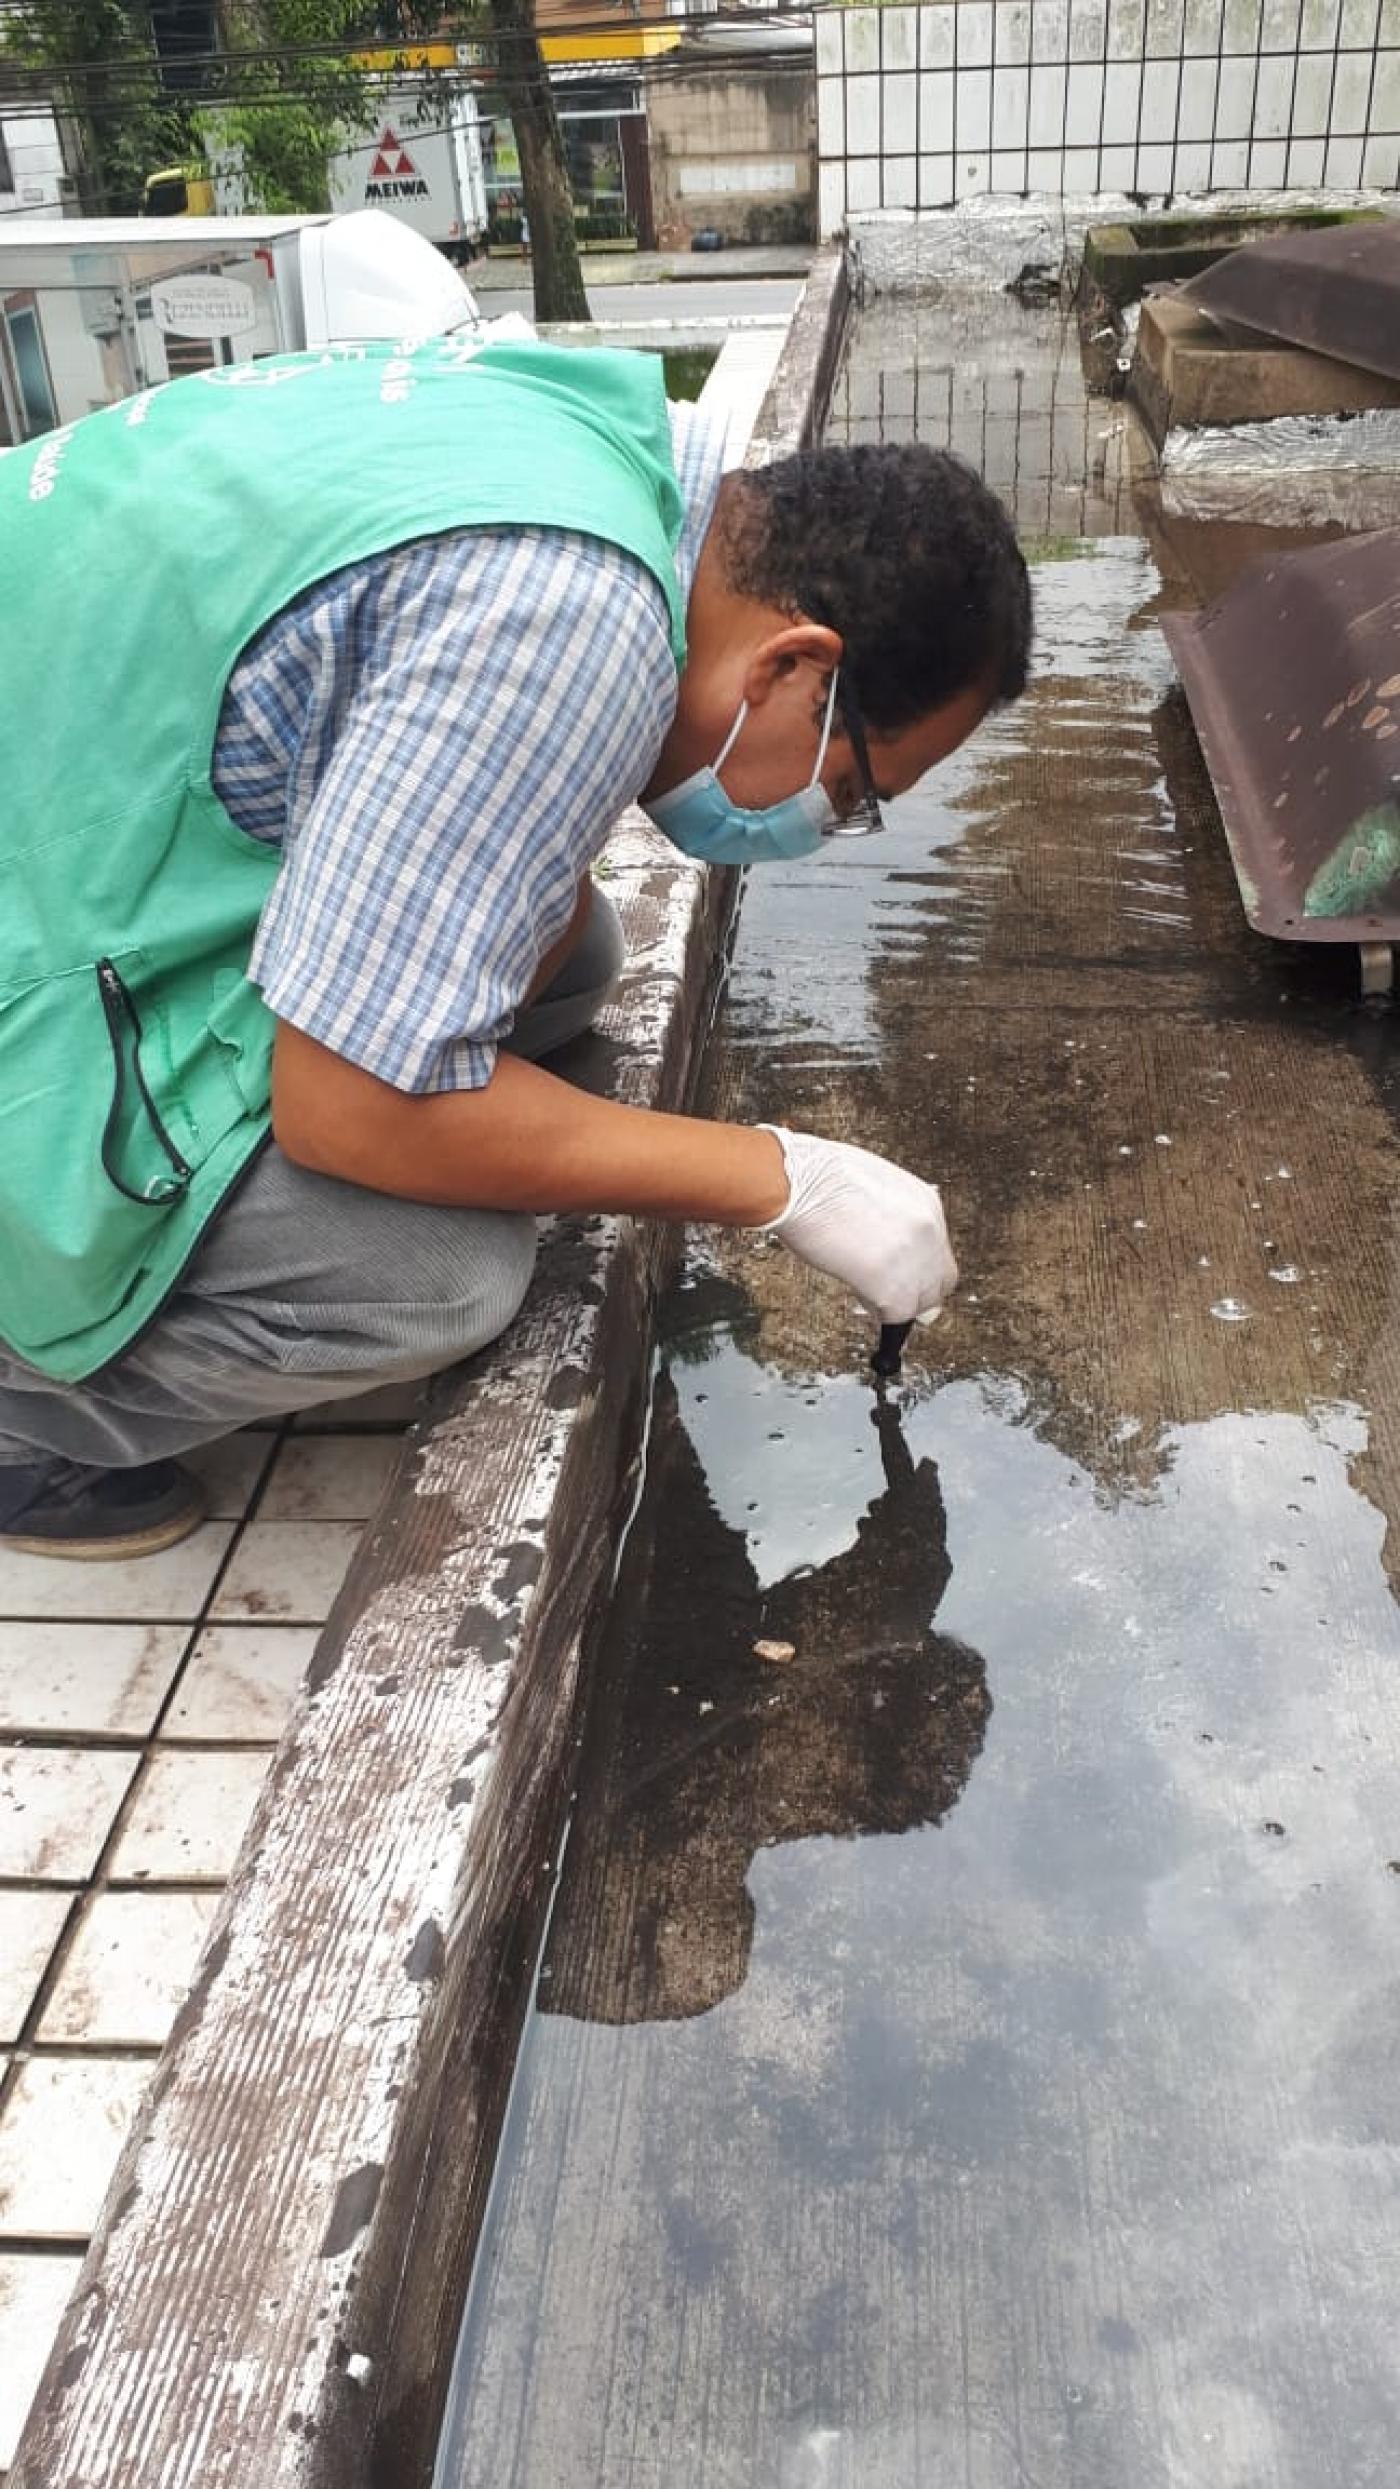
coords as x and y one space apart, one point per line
920 106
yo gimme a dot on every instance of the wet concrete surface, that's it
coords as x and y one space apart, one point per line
964 2054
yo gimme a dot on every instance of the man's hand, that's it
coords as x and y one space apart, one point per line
872 1224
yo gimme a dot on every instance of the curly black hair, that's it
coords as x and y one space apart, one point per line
903 550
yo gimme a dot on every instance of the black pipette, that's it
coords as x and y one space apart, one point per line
889 1350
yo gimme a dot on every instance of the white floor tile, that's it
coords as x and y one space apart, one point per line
329 1478
173 1585
30 1926
61 2130
57 1806
130 1968
34 2291
105 1680
228 1471
188 1817
240 1681
287 1571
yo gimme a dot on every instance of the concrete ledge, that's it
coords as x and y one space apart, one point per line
991 239
794 410
274 2290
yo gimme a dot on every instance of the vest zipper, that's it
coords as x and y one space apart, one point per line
124 1033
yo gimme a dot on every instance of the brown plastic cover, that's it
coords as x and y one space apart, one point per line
1293 677
1337 291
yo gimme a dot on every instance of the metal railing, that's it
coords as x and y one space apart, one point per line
922 106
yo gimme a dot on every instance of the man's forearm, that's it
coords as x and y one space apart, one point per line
527 1141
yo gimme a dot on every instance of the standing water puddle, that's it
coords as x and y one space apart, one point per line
964 2054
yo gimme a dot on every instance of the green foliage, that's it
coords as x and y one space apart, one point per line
292 101
588 228
100 52
281 97
1055 548
598 227
687 369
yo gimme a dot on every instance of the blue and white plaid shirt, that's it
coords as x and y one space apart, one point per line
440 739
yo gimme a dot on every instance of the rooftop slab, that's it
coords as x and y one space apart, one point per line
963 2053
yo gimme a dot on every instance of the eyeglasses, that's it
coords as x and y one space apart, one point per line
865 815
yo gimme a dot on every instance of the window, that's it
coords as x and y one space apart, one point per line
38 413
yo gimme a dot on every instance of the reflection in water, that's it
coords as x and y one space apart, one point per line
1052 2144
732 1719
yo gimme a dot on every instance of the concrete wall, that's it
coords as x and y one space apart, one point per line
918 107
732 147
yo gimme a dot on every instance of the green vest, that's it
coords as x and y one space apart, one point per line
143 548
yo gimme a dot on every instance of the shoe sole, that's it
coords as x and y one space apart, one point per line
149 1542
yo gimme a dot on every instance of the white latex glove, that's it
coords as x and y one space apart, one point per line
868 1222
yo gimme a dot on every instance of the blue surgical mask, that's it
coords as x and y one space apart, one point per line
698 817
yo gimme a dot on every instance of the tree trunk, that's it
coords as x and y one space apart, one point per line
544 177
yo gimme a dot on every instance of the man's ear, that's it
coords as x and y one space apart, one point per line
776 659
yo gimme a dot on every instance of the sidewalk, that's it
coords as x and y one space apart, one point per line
606 268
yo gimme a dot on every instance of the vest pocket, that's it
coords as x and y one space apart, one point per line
89 1171
138 1154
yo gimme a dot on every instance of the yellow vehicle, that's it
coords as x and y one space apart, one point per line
179 190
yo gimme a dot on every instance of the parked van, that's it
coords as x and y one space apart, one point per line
421 162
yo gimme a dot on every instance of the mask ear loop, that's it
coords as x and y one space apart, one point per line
732 737
815 779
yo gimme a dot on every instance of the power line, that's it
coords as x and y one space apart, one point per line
663 71
649 71
487 39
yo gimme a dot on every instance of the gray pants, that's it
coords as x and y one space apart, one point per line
306 1289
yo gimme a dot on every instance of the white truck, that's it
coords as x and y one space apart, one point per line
34 180
420 160
92 311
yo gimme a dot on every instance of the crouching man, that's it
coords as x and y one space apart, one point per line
323 683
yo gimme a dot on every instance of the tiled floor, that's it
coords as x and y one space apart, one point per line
139 1706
